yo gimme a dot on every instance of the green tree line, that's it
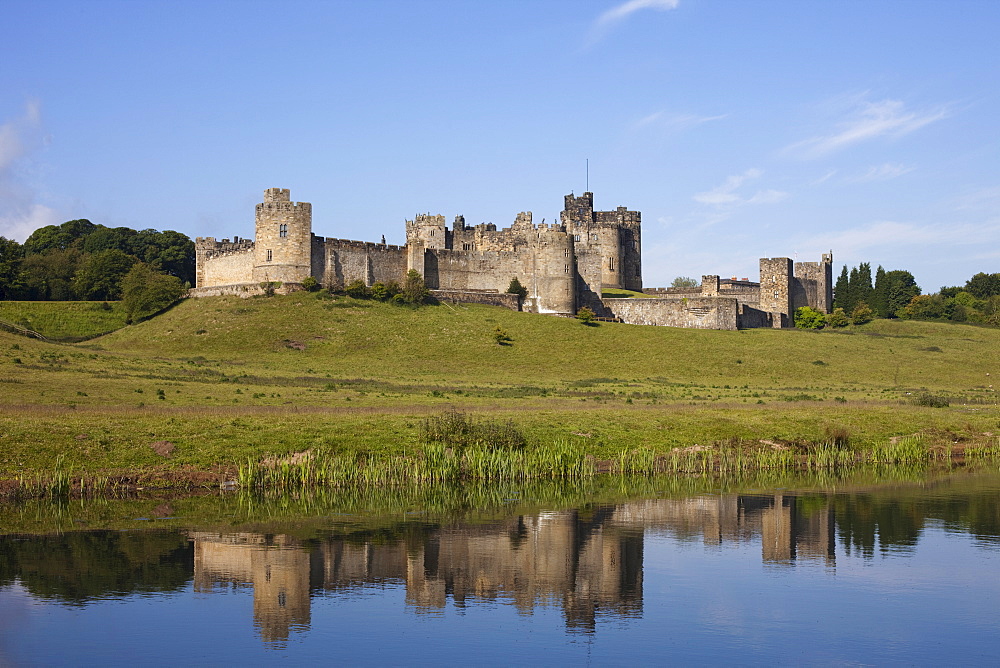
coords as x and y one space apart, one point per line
83 260
895 294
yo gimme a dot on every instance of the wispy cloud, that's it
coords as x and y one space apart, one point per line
883 172
727 194
674 122
606 21
19 135
866 121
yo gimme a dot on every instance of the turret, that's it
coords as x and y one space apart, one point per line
283 248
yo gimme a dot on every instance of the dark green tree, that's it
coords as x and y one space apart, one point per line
515 288
100 274
59 237
146 292
902 287
11 255
864 289
880 294
982 285
414 290
49 275
841 291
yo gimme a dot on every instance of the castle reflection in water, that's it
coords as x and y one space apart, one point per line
589 564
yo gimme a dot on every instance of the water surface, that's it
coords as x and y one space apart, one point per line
900 573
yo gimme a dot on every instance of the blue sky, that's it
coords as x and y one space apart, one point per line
739 129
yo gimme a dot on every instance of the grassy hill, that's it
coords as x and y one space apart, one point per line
224 379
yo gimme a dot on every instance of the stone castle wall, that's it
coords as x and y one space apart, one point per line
693 312
564 266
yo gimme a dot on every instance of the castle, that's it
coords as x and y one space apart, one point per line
564 266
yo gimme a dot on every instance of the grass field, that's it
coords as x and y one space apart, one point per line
227 379
64 321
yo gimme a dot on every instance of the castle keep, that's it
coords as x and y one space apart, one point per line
564 265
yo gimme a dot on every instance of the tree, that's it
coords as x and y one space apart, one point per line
683 282
838 318
841 291
809 318
982 285
59 237
11 255
861 314
515 288
100 275
414 290
49 275
880 294
586 316
146 292
902 288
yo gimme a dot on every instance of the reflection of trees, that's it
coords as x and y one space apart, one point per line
80 566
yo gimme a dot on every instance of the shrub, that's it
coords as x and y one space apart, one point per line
838 318
501 337
862 314
383 292
515 288
931 400
414 289
586 316
146 292
310 284
807 317
357 289
455 430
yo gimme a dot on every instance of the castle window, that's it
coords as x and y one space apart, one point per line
282 231
611 264
593 237
269 256
565 268
576 237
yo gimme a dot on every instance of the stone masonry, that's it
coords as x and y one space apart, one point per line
564 265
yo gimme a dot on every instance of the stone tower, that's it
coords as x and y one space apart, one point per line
283 247
776 288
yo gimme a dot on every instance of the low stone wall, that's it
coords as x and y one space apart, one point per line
692 312
504 299
751 318
242 290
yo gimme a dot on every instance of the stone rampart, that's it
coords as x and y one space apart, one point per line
242 290
488 297
693 312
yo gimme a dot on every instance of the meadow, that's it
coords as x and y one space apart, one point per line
212 384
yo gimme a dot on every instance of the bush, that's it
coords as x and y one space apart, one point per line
357 289
310 284
146 292
414 289
455 430
838 318
515 288
862 314
383 292
931 400
586 316
501 337
807 317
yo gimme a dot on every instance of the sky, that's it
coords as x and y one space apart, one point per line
740 129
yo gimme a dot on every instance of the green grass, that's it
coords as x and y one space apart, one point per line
64 321
229 379
618 294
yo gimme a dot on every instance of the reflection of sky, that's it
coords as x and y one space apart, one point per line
702 604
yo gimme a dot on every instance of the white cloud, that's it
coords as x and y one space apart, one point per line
727 195
662 119
882 173
867 121
603 23
20 214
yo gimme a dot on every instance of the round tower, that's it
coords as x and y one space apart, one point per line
283 246
553 280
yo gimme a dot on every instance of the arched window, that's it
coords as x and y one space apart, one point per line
282 231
